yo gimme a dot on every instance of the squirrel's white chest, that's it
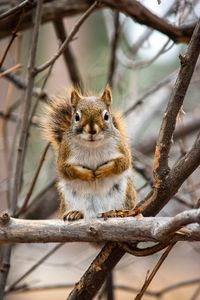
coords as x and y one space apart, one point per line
94 198
101 195
93 157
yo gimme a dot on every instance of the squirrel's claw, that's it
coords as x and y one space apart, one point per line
72 215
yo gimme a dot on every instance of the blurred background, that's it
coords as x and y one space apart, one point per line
145 71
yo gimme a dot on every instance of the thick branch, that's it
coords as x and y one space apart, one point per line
188 62
58 9
159 229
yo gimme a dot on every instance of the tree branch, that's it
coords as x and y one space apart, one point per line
27 107
159 229
68 55
62 48
54 9
188 62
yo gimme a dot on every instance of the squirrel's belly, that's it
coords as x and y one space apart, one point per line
93 198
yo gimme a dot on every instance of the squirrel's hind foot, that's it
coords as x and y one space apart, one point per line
72 215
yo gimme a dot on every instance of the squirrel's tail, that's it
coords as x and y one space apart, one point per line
56 119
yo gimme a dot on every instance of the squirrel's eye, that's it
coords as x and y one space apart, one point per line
105 115
77 116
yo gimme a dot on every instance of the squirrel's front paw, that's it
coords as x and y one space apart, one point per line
85 174
72 215
104 170
81 173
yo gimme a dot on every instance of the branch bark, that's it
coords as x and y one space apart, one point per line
188 62
159 229
132 8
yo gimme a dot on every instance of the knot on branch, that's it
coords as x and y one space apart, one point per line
93 231
4 267
183 60
4 218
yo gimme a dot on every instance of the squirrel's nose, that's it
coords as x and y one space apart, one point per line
92 131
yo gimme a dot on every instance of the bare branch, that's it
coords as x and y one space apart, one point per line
188 63
62 48
68 55
132 8
20 83
27 107
115 41
44 204
6 250
35 266
158 229
15 9
32 185
153 273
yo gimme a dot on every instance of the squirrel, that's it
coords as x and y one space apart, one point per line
93 158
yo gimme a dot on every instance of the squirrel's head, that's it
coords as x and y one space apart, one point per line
92 120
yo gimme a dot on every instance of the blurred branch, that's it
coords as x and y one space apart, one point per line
62 48
11 69
15 118
23 208
14 35
115 41
154 271
27 106
69 58
20 83
5 251
35 266
158 229
156 294
53 9
149 92
191 126
44 204
15 9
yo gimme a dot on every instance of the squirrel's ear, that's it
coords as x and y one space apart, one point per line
75 97
107 95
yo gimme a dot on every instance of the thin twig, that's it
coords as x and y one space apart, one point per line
35 266
14 35
149 92
62 48
27 106
20 83
6 249
115 41
153 273
11 69
69 58
15 9
32 185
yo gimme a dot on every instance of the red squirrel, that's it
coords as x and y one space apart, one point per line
93 158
